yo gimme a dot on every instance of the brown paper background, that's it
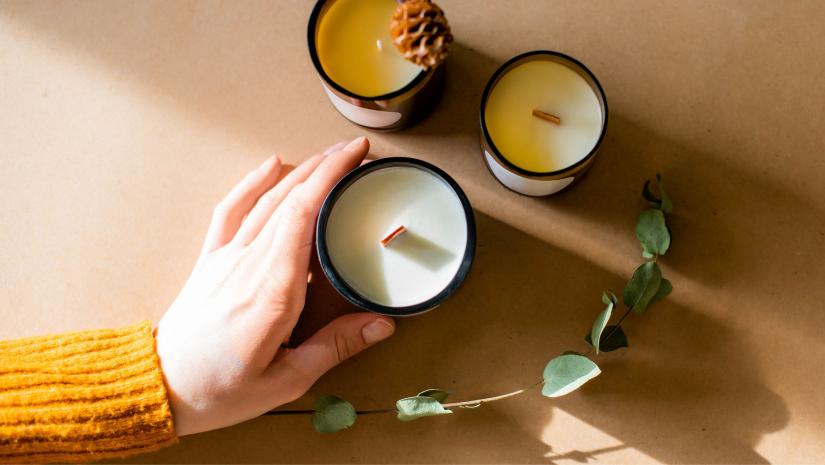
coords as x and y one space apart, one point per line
123 123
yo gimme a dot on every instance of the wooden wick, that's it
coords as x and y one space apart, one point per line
397 232
546 116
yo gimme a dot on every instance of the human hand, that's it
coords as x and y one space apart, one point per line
220 343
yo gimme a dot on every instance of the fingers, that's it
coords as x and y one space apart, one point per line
288 260
335 147
268 202
298 369
228 214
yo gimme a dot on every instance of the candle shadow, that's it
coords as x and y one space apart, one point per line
421 250
688 390
324 303
456 113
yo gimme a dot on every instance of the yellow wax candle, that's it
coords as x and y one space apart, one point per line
356 51
533 143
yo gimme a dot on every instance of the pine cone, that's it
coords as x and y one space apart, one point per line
420 32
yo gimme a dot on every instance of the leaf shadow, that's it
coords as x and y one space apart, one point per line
500 328
687 389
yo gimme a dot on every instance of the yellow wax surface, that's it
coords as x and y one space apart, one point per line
347 43
535 144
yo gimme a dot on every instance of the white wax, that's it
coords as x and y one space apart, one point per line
416 265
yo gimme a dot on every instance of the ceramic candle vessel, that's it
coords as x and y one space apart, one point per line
543 118
396 236
367 80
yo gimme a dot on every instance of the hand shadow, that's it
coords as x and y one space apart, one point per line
687 389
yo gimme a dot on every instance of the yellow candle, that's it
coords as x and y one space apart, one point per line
356 51
533 143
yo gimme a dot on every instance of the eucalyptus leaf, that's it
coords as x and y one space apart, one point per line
413 408
665 288
436 394
662 201
667 205
611 339
650 196
599 325
652 233
608 297
332 414
642 287
566 373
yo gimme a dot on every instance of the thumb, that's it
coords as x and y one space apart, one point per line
332 344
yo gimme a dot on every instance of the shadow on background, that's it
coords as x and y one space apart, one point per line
685 391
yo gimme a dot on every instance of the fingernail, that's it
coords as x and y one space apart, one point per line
355 144
335 148
377 330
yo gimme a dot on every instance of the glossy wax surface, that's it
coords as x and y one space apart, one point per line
347 42
416 265
535 144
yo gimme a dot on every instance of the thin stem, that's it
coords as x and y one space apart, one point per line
618 324
392 410
290 412
378 410
310 412
610 334
494 398
626 313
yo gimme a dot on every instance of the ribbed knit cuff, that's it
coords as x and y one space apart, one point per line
82 396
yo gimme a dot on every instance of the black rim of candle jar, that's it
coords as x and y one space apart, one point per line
354 296
503 70
314 17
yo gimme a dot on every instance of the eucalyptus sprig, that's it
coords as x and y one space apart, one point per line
563 374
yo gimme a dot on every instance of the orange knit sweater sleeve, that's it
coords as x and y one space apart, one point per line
82 396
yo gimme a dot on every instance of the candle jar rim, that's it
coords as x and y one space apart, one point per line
340 284
564 60
314 23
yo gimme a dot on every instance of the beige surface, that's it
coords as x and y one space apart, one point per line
123 123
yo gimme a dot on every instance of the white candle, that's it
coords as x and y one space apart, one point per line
417 265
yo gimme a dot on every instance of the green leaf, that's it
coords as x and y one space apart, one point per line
332 414
600 323
667 205
642 287
665 288
413 408
436 394
608 297
649 196
566 373
652 233
662 201
610 340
